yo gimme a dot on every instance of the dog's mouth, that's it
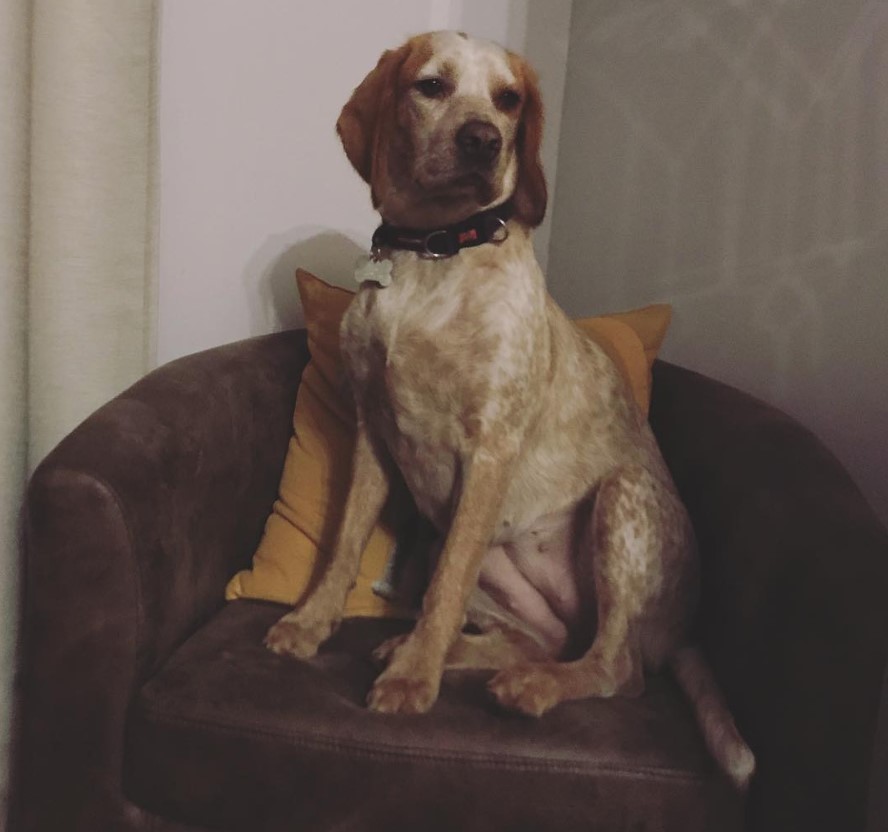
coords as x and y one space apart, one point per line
476 185
479 183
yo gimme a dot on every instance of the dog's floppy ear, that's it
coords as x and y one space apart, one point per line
366 117
530 189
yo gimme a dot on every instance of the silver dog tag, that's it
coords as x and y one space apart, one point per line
369 269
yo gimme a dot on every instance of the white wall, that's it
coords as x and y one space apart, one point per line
732 158
728 157
253 180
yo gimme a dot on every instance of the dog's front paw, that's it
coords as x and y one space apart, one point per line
392 694
293 636
531 689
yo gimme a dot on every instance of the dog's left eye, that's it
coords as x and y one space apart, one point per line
507 99
431 87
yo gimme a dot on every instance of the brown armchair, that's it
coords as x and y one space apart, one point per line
147 703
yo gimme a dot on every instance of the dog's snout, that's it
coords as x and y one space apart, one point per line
479 142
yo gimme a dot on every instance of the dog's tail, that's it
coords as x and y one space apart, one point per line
719 731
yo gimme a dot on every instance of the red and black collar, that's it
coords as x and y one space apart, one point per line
485 227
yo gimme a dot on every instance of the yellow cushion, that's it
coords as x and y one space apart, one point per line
301 530
632 341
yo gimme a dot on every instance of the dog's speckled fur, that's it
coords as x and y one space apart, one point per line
516 436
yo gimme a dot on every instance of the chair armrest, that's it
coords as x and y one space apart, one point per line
794 605
133 525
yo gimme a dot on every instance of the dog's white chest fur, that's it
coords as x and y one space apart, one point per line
441 356
458 351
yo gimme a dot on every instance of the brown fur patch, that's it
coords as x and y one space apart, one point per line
531 195
368 124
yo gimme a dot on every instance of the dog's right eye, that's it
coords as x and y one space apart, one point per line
431 87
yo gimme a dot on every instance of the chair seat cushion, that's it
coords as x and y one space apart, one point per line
230 736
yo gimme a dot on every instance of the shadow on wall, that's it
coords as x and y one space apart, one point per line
269 275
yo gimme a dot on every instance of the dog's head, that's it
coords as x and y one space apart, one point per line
445 126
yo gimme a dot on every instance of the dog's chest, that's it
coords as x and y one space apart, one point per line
433 363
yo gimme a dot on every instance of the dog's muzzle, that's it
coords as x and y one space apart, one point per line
478 143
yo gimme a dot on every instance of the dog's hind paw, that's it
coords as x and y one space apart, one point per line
531 689
386 650
292 637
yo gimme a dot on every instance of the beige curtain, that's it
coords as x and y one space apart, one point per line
77 154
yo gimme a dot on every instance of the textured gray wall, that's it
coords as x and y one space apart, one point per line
732 158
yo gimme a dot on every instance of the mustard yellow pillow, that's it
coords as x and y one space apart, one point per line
301 530
632 340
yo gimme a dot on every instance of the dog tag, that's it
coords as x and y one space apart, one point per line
370 270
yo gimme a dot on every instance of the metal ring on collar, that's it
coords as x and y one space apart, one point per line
434 255
502 229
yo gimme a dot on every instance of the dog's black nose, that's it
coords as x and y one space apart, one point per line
479 142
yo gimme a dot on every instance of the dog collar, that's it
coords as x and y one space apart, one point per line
484 227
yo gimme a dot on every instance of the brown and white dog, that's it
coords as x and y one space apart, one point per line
566 545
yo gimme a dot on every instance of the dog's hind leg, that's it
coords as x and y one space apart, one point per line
635 532
495 649
300 632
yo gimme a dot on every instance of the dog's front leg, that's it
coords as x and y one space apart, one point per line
300 632
411 681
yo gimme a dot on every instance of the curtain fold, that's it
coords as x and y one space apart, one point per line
90 248
77 202
15 42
